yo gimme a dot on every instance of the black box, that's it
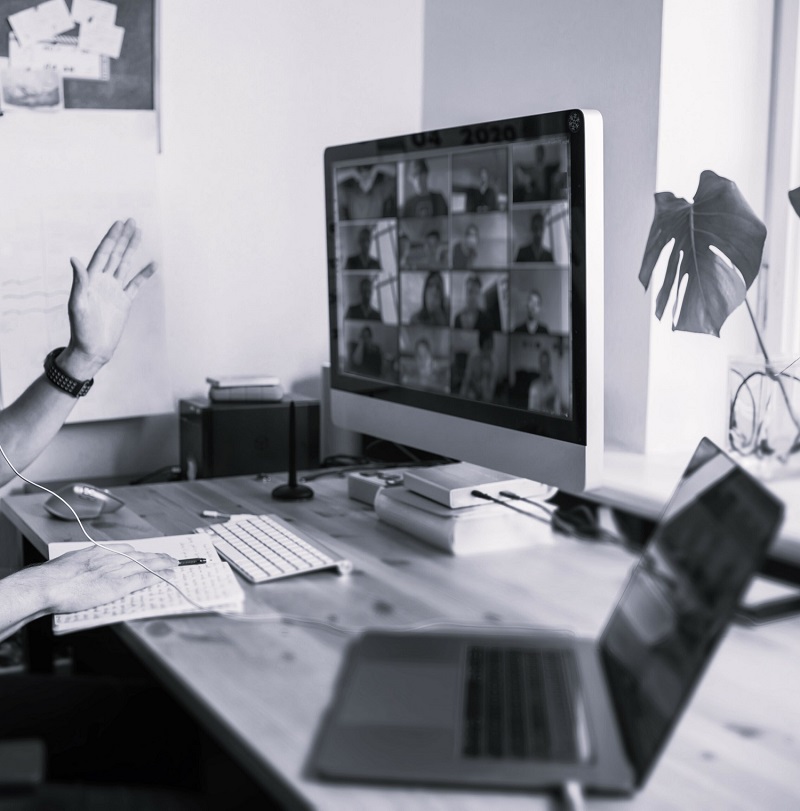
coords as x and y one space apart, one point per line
232 439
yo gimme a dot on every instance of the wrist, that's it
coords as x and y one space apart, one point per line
79 364
31 594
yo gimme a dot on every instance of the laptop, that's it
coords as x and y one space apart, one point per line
532 709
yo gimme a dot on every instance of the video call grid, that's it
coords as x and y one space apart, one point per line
484 315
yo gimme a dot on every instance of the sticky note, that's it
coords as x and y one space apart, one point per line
54 16
97 10
26 27
102 39
41 22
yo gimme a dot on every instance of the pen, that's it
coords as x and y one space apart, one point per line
191 561
214 514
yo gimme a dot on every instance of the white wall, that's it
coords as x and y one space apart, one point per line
715 95
249 106
682 86
502 58
251 95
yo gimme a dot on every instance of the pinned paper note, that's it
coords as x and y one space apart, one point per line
98 11
45 21
99 38
60 54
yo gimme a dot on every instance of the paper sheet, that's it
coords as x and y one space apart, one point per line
211 585
97 10
41 22
60 54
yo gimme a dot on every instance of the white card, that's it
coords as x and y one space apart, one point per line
98 38
97 10
26 27
41 22
55 17
64 57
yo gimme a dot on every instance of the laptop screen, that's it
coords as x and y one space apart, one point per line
679 599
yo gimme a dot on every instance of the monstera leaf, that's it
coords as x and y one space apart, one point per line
720 218
794 199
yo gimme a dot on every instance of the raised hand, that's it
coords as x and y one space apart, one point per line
101 298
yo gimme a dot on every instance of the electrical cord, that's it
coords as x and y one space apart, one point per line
581 523
441 622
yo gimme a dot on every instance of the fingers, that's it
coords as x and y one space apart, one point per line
78 271
114 252
126 241
108 561
133 565
139 279
101 255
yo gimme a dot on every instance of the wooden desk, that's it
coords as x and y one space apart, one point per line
262 688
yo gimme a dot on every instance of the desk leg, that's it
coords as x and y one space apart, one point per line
39 632
10 545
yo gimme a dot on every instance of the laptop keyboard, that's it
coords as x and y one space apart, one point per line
521 704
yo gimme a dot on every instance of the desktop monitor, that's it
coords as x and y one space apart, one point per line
466 293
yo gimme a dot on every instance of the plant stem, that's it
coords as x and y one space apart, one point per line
779 376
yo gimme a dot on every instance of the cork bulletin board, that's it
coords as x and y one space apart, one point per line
130 80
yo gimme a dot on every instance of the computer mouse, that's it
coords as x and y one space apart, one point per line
87 500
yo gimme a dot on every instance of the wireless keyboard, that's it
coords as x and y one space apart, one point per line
263 548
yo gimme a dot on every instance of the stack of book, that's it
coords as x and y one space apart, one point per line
245 389
436 505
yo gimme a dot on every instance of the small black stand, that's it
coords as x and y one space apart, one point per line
292 491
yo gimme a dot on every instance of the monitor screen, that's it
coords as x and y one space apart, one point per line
460 283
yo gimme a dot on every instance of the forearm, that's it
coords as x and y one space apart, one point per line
21 601
34 418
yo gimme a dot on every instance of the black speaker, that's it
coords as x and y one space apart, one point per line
233 439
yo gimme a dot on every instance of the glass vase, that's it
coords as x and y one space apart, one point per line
764 414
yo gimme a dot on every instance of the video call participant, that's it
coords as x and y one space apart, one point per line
424 370
362 260
534 251
473 316
533 325
367 192
482 197
363 309
424 202
366 357
480 374
435 255
533 179
543 394
434 310
94 714
465 251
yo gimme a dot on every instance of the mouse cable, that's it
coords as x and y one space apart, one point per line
285 618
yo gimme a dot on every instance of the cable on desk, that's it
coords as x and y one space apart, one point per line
578 522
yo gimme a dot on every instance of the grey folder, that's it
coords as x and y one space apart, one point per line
536 709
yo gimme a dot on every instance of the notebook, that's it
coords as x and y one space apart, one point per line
212 585
542 709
